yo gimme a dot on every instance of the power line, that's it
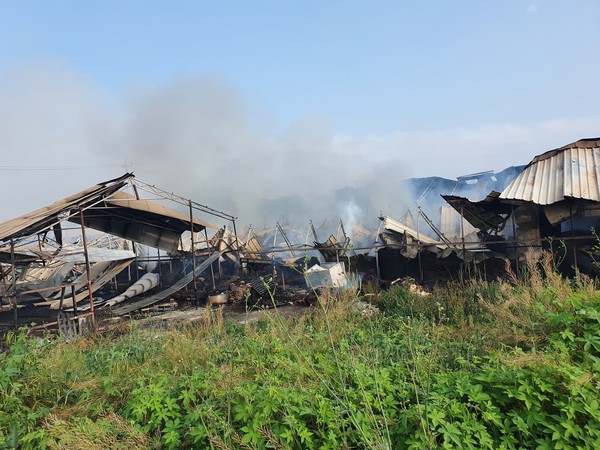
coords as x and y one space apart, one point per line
33 168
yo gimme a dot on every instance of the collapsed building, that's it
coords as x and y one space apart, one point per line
111 262
112 249
553 203
115 248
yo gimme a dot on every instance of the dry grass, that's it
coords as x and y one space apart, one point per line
518 313
109 431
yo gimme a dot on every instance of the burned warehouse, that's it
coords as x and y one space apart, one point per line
124 246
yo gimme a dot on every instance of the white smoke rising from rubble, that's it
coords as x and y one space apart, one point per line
351 217
199 137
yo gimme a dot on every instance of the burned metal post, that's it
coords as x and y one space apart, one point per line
193 252
14 283
212 271
462 239
73 297
137 270
377 252
159 267
237 246
62 299
573 242
515 244
87 269
419 251
377 263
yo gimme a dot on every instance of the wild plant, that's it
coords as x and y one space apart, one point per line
507 364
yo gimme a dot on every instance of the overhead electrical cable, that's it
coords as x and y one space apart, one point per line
79 167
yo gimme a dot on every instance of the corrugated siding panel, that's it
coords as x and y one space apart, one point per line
573 172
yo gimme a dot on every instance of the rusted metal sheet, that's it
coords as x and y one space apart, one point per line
484 215
253 250
331 249
557 212
572 171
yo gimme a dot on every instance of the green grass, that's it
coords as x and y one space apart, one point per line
473 365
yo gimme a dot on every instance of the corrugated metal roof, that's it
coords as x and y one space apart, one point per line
109 210
570 171
130 202
40 219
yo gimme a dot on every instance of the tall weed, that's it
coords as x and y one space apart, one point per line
508 364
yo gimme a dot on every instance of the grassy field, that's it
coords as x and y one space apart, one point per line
506 364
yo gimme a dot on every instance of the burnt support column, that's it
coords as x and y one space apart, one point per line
87 269
14 283
237 244
515 243
212 271
462 239
419 250
377 263
159 267
193 252
573 242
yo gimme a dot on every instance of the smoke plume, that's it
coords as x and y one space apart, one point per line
202 139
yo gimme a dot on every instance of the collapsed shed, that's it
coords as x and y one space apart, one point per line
38 241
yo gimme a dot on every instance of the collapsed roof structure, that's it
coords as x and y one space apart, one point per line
554 201
556 196
108 209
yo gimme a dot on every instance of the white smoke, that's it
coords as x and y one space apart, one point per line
200 138
352 215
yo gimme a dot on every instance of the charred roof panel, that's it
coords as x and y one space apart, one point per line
140 220
39 220
484 215
571 171
105 208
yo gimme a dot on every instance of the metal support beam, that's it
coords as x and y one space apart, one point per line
87 269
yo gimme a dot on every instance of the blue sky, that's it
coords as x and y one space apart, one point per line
371 66
430 87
